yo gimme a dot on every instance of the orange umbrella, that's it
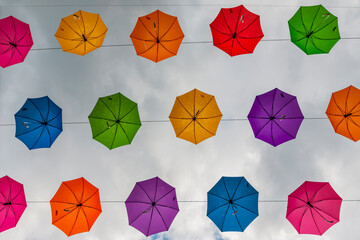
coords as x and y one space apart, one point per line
157 36
75 206
344 112
81 32
195 116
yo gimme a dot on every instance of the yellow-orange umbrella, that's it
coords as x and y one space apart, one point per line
157 36
81 32
195 116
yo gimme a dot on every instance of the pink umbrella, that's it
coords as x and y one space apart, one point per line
313 208
12 202
15 41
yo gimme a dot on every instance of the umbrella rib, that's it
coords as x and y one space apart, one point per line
218 196
147 48
90 196
55 116
302 20
22 57
222 12
42 131
312 215
108 107
12 55
222 226
284 130
317 191
171 40
313 42
87 221
137 202
138 124
184 108
15 30
116 129
21 38
164 195
296 209
135 105
303 33
262 106
226 188
52 201
245 196
103 131
336 127
223 34
144 191
237 40
217 208
236 188
262 128
6 214
284 106
245 208
248 25
147 29
347 97
71 191
317 211
22 189
92 208
297 198
207 117
28 131
76 218
167 49
156 187
95 25
353 121
42 117
172 24
146 211
95 37
204 128
342 111
212 98
302 217
313 20
69 27
4 32
47 130
237 219
347 127
64 216
167 207
167 228
152 211
125 133
324 26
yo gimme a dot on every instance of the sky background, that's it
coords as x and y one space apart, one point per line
76 82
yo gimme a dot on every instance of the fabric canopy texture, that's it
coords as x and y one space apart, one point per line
232 204
75 206
236 30
195 116
152 206
157 36
344 112
314 29
81 32
15 41
313 208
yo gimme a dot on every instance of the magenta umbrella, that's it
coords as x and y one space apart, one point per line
152 206
313 208
15 41
275 117
12 202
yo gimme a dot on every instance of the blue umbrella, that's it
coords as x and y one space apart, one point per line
232 204
38 122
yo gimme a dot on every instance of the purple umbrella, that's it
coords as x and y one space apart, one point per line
275 117
152 206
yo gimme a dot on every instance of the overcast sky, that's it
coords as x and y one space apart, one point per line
76 82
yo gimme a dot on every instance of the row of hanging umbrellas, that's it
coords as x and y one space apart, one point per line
232 204
275 117
158 36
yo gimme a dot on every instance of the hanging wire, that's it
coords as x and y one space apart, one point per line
163 121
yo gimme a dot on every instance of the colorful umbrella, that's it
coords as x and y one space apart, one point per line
12 202
15 41
114 120
344 112
236 30
157 36
275 117
313 208
232 204
75 206
152 206
195 116
81 32
314 29
38 122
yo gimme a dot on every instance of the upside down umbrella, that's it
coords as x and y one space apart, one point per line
12 202
81 32
152 206
344 112
157 36
75 206
275 117
232 204
314 29
15 41
236 30
38 122
114 120
195 116
313 208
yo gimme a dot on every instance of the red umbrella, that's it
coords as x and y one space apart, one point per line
313 208
236 30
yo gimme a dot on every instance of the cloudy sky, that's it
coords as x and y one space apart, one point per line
76 82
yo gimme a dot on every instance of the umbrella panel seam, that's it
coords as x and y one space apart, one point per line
167 228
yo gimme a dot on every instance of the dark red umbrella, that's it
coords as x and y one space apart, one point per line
236 30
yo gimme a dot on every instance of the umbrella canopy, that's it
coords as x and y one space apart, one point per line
38 122
195 116
12 202
157 36
152 206
314 29
114 120
75 206
313 208
81 32
15 41
236 30
344 112
275 117
232 204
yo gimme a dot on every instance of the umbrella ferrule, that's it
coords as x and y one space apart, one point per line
8 203
13 44
347 115
309 204
84 38
309 34
234 35
157 40
79 205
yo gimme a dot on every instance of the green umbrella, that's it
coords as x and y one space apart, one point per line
114 120
314 29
